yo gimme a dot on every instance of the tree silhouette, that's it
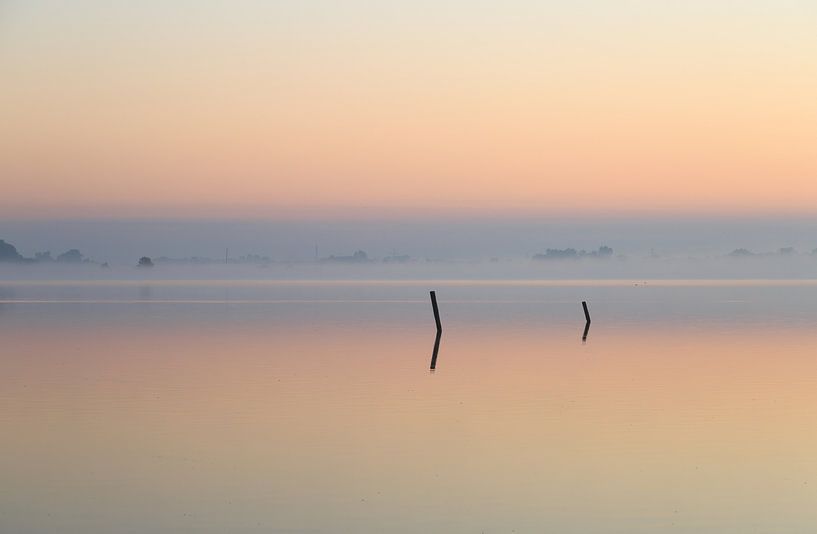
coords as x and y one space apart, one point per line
8 252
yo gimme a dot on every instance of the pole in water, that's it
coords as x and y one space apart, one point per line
587 324
439 329
436 310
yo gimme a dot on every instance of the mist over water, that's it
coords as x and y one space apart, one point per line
275 388
267 389
124 241
657 248
636 270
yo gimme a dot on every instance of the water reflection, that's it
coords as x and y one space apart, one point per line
586 331
436 350
6 294
313 416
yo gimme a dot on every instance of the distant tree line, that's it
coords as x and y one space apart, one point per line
746 253
359 256
572 253
9 253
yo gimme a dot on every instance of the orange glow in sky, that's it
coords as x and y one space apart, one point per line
464 107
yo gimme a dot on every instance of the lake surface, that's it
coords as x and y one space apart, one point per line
207 406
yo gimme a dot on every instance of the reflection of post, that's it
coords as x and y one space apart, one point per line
439 329
587 324
586 330
436 350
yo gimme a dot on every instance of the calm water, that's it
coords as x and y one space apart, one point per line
309 407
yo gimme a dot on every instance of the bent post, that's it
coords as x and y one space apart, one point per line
439 329
587 318
436 310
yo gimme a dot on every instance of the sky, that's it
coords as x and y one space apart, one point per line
310 110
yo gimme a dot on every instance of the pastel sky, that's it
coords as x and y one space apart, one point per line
290 108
